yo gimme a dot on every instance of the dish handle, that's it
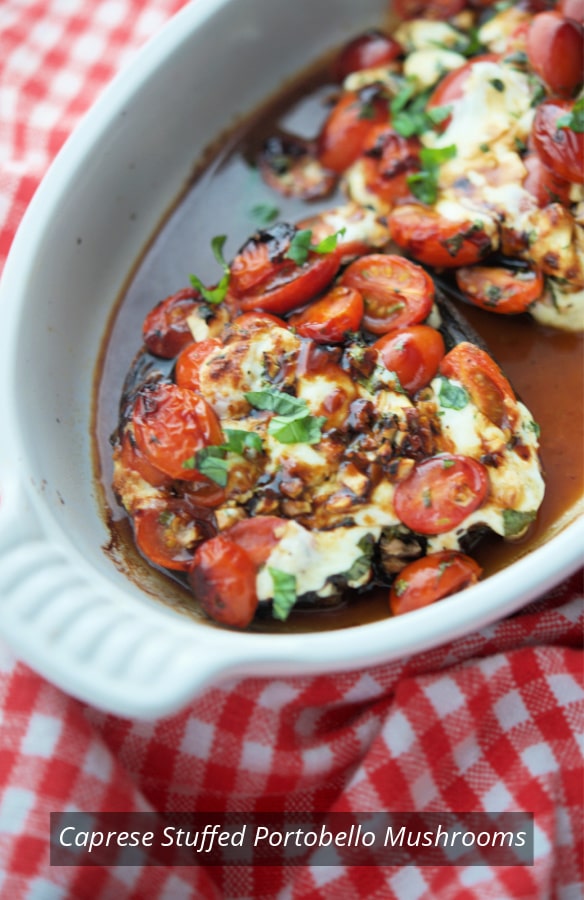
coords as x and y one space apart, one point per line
83 635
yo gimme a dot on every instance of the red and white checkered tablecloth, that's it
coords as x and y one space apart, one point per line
488 722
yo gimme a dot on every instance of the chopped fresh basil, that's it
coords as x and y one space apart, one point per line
362 565
448 463
301 245
452 396
400 586
533 426
189 463
212 465
217 294
264 213
424 184
278 402
515 521
498 84
297 430
573 120
284 593
238 441
409 113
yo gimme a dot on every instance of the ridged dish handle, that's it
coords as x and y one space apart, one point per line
84 636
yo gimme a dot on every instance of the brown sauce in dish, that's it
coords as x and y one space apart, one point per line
226 196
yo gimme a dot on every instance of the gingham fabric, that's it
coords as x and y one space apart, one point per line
488 722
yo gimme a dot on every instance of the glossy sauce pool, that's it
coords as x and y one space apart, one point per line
226 196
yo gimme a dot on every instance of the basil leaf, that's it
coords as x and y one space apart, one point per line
575 119
278 402
362 565
217 294
293 430
284 593
301 245
238 441
431 157
212 465
329 243
515 521
424 184
452 396
264 213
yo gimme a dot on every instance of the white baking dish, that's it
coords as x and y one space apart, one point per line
65 607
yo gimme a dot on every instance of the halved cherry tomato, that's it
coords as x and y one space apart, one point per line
560 149
432 9
249 322
555 49
348 127
190 360
543 184
500 290
481 376
132 458
387 161
440 492
223 580
436 241
328 320
287 164
165 329
432 578
264 278
171 424
258 536
373 48
413 353
451 87
572 9
396 292
168 533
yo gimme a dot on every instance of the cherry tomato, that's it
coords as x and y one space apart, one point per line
264 278
286 163
555 49
436 241
349 126
432 578
560 149
132 458
168 533
451 87
257 536
572 9
500 290
481 376
188 364
413 353
223 580
433 9
440 492
328 320
165 329
543 184
373 48
249 322
387 161
171 424
395 291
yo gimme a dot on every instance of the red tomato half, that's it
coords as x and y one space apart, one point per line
190 360
543 184
387 162
481 376
257 536
500 290
168 533
413 353
395 291
328 320
555 48
132 458
255 321
429 9
171 424
165 329
560 149
223 580
430 238
349 126
432 578
440 493
365 52
451 87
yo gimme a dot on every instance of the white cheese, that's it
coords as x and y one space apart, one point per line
426 67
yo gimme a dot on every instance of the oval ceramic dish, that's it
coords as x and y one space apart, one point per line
65 607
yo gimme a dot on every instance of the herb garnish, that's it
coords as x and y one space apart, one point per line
573 120
424 184
515 521
294 423
264 213
211 461
284 593
217 294
301 245
452 396
410 116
